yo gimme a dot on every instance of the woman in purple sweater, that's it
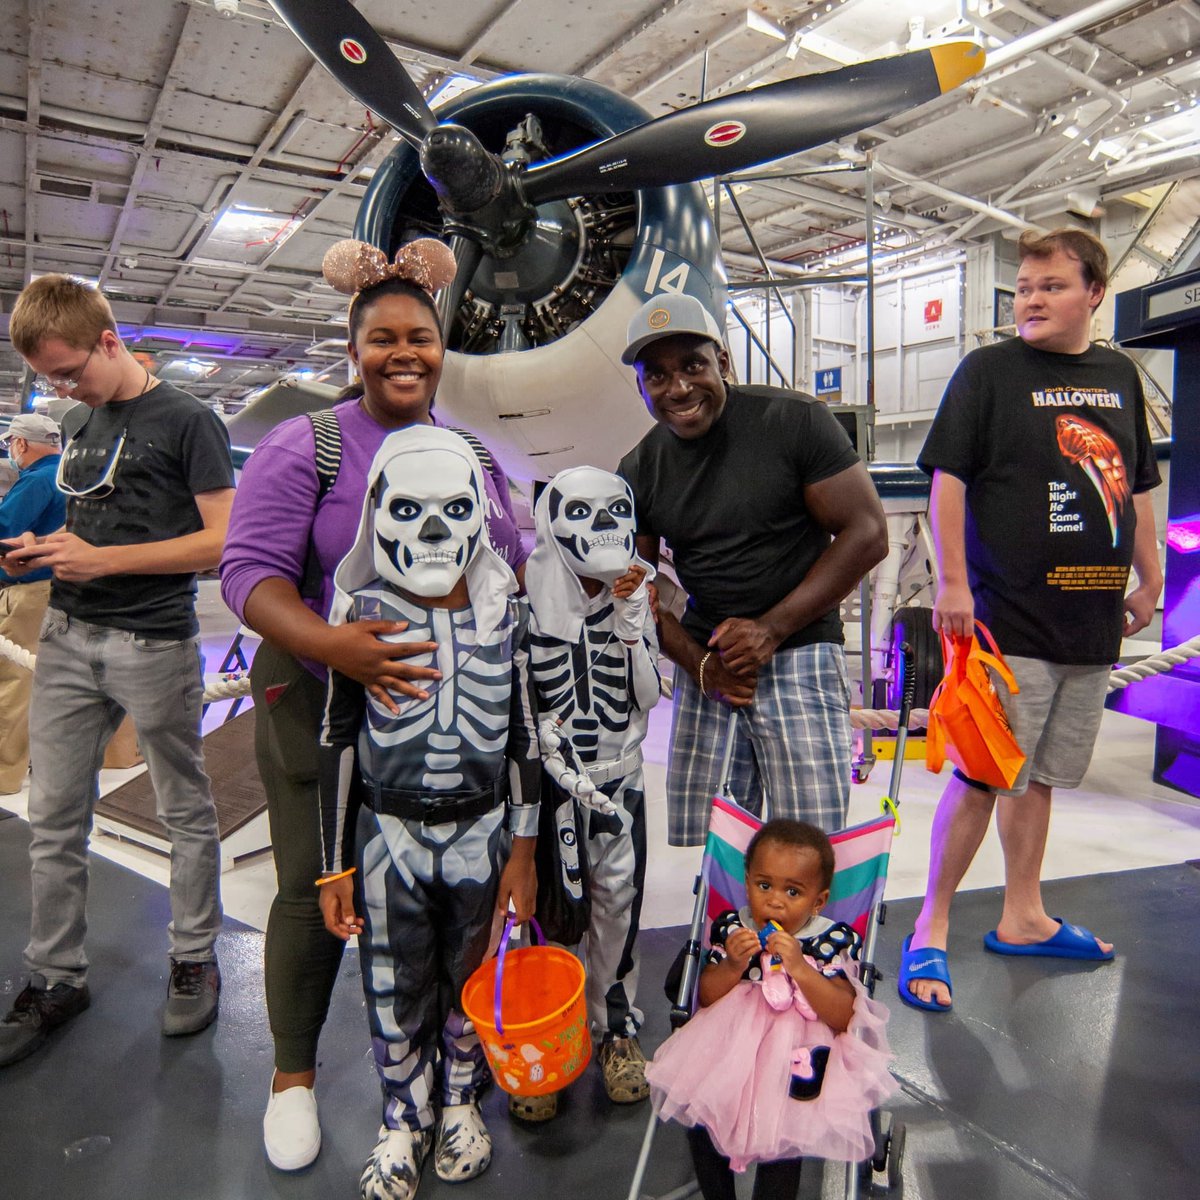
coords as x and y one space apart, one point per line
287 533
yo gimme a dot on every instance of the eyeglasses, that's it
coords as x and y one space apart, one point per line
102 487
64 383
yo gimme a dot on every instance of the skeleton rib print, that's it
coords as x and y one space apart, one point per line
586 686
464 725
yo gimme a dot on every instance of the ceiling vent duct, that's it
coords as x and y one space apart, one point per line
71 189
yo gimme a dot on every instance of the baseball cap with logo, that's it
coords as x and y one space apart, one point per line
33 427
668 315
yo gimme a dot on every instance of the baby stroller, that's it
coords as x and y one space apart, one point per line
861 855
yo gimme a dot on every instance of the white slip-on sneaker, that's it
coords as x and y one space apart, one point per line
291 1131
394 1168
464 1147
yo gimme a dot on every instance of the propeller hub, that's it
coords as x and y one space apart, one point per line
465 175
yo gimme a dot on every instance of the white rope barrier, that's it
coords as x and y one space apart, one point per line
860 718
219 689
227 689
884 718
18 654
1155 664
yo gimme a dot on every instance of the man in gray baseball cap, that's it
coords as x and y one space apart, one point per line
33 504
34 429
668 316
772 519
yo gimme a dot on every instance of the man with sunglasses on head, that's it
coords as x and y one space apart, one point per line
148 476
34 504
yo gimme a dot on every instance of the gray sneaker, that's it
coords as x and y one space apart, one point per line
193 996
36 1011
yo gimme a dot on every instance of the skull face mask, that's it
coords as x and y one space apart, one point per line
428 516
591 518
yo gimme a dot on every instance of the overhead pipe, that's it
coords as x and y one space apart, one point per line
978 206
1044 58
1045 165
1057 31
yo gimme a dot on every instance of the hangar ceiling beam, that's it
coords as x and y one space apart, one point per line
187 46
623 40
33 101
373 157
1058 31
247 171
471 53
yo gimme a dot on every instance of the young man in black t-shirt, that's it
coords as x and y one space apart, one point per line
1042 468
149 480
772 520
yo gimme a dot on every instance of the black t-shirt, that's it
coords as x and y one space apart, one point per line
1051 448
730 505
175 448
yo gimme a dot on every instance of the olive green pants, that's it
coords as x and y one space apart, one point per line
302 957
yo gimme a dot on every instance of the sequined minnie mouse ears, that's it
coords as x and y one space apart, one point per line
350 266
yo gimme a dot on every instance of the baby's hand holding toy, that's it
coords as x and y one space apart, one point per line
764 934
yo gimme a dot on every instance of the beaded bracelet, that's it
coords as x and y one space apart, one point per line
330 878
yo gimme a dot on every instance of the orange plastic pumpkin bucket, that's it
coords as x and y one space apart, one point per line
529 1010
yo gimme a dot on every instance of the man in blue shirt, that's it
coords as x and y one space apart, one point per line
33 504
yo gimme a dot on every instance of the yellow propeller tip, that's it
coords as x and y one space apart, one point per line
955 62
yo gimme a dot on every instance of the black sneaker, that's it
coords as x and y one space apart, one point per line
35 1012
192 997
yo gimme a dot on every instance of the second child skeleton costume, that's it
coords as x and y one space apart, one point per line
596 675
424 801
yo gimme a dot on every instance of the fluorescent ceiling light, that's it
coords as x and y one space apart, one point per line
91 281
817 43
451 89
760 24
240 224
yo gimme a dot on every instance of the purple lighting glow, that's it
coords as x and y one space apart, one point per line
185 339
1184 535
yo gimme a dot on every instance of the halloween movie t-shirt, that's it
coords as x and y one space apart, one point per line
1052 449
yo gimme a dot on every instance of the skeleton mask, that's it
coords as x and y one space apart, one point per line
428 516
591 518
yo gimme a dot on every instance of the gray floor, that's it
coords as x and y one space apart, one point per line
1047 1081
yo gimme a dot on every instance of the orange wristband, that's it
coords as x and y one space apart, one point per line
330 878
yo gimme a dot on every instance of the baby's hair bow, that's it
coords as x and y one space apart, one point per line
350 266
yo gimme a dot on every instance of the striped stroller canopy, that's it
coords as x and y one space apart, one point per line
861 854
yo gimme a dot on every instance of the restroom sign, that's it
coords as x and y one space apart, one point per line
829 381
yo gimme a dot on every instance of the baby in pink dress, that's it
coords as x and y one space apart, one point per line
786 1054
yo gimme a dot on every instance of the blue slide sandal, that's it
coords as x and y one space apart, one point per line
1071 941
927 962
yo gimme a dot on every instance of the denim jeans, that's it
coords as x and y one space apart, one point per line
87 677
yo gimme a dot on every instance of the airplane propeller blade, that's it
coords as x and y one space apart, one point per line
468 253
340 39
742 130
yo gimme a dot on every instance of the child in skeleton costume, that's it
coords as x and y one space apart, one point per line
596 675
419 800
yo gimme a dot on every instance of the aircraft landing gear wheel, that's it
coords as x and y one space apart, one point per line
915 626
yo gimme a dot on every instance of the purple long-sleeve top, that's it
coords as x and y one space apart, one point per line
275 510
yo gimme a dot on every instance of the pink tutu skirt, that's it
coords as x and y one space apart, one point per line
730 1069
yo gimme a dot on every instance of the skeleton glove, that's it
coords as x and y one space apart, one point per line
574 783
629 616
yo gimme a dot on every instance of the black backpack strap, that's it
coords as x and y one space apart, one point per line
327 434
481 451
